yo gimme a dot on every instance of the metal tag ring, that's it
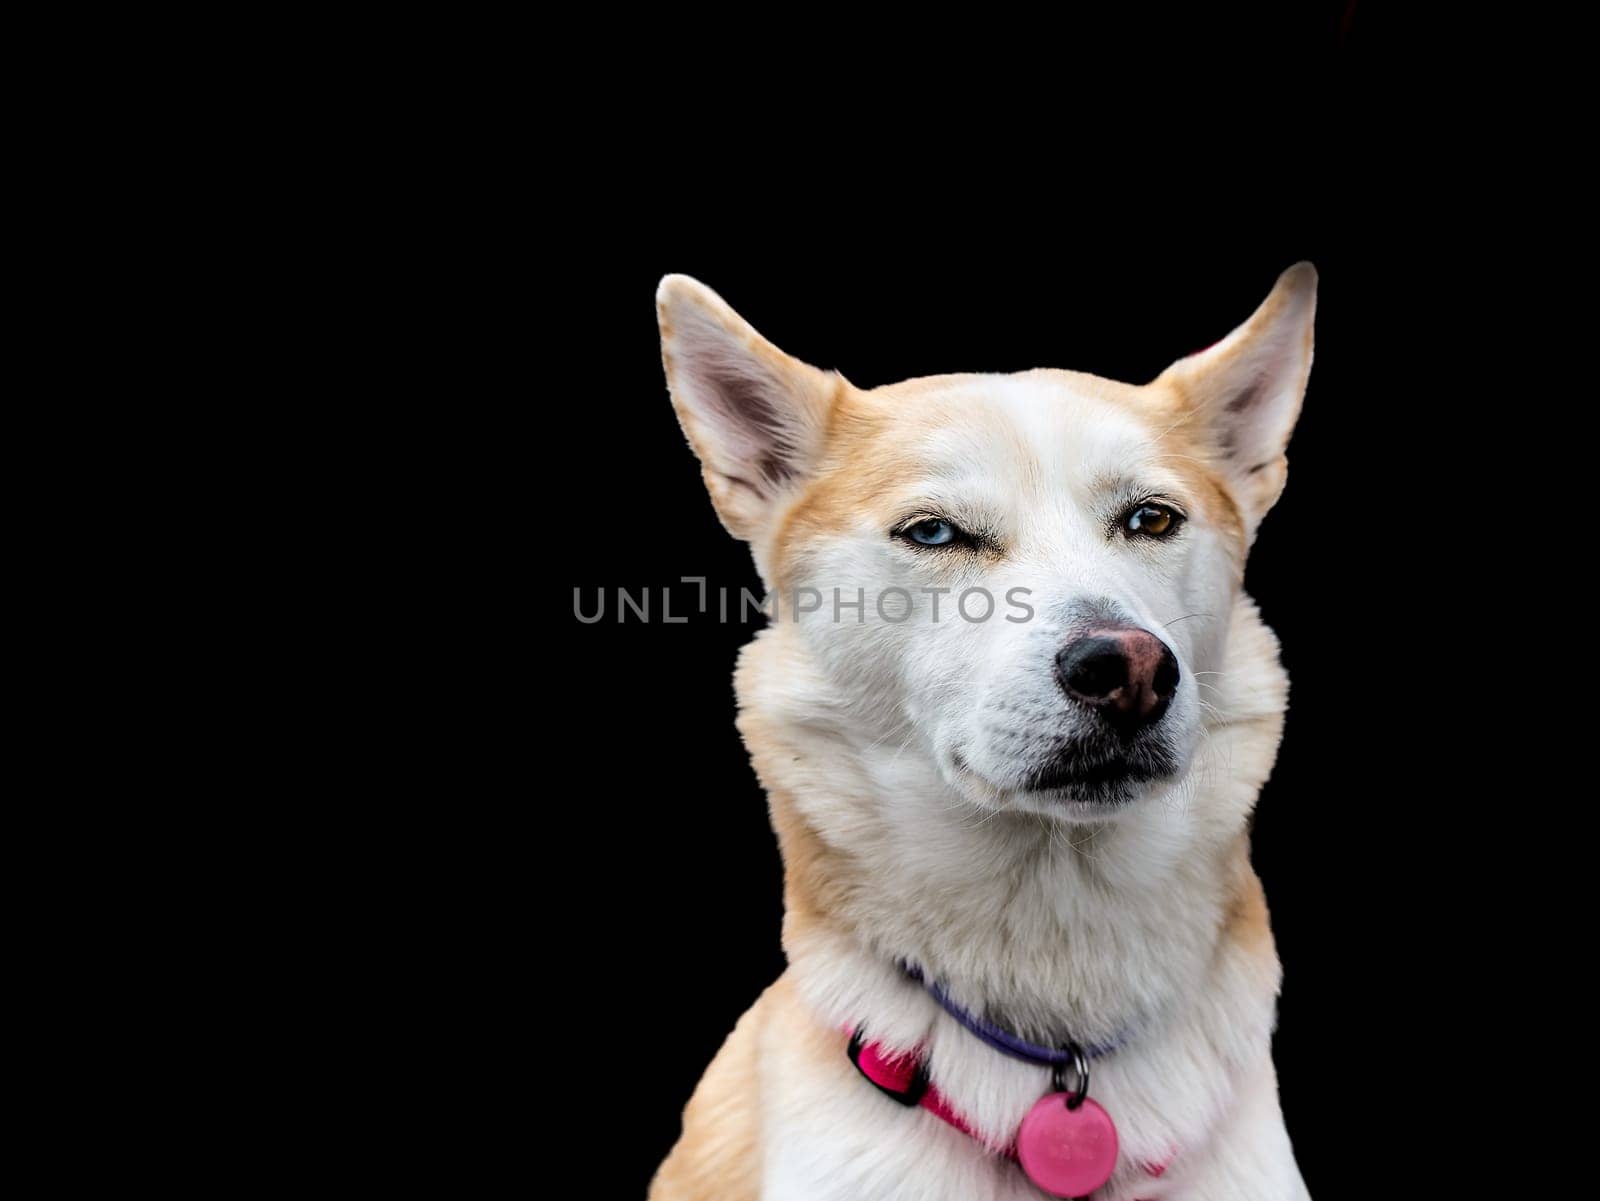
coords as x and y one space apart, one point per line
1080 1066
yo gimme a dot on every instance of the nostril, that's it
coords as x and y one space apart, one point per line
1167 675
1093 667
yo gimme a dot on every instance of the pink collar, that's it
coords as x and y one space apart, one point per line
904 1079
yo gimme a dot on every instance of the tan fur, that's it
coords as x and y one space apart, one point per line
1248 923
719 1153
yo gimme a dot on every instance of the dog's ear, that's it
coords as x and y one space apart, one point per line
1243 394
754 415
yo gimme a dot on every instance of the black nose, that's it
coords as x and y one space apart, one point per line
1126 673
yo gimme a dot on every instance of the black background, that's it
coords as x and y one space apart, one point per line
886 276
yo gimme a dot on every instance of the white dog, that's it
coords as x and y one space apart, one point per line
1012 717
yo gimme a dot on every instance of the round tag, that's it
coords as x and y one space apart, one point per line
1067 1152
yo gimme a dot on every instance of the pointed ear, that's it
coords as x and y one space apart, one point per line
754 415
1243 394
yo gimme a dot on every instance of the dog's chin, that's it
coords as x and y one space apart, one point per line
1093 799
1074 791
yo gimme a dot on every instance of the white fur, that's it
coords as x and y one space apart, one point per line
1107 928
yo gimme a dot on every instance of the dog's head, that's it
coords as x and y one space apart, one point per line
1025 577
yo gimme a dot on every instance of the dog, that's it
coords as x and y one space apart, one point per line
1015 832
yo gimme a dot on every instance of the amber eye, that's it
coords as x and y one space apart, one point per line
1151 520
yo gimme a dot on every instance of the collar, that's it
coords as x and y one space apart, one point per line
1003 1040
903 1076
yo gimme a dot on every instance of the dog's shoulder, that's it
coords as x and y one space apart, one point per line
718 1154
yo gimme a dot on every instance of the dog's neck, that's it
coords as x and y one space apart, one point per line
1053 929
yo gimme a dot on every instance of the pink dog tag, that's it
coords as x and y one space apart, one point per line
1067 1152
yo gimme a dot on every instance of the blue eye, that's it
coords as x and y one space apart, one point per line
934 531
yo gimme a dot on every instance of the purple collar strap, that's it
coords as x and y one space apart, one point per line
1003 1040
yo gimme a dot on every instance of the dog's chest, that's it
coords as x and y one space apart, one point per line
828 1133
889 1153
